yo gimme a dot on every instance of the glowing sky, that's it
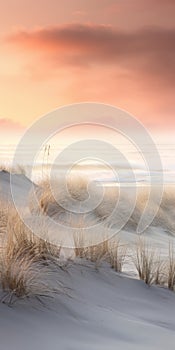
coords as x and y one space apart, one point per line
55 52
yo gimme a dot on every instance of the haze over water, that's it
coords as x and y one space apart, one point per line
97 169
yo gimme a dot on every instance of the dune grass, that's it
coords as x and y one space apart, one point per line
170 268
117 254
26 260
148 264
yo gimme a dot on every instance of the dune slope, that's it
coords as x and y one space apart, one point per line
101 310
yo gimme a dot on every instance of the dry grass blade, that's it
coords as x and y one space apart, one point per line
144 261
171 268
79 244
89 250
17 272
117 255
98 252
25 260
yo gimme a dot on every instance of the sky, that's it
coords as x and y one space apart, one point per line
55 52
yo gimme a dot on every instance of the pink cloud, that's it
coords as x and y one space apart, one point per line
134 70
9 125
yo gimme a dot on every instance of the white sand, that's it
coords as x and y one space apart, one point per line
21 186
103 311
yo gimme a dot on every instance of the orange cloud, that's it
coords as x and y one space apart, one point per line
151 50
134 70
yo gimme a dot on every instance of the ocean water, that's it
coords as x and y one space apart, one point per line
47 162
161 206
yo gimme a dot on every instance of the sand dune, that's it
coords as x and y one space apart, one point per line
21 187
72 304
101 311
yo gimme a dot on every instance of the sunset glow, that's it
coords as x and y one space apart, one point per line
117 52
